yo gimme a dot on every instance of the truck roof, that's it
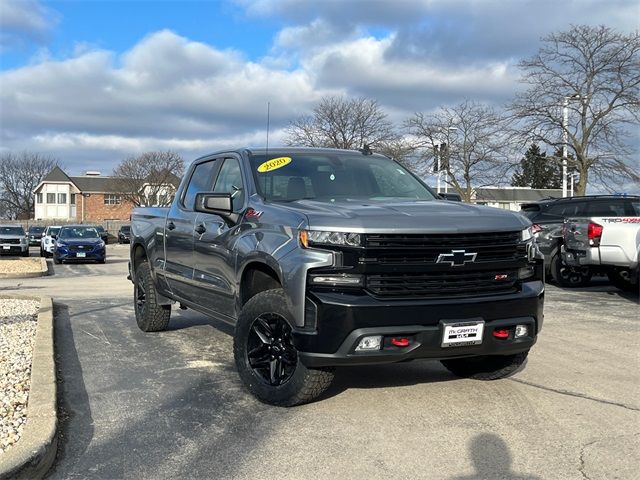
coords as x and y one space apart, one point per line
298 150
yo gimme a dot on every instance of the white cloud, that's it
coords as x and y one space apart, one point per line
167 91
23 21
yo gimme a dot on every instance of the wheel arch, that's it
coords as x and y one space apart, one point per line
257 276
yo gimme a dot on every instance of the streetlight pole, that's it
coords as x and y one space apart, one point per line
439 169
565 137
565 140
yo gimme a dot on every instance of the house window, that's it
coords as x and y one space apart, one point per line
112 199
51 198
62 198
73 199
38 198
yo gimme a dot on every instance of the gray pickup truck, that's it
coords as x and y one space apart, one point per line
324 258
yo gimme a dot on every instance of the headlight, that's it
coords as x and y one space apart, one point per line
526 234
318 237
61 245
101 245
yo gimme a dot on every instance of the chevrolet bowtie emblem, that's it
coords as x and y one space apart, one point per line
457 258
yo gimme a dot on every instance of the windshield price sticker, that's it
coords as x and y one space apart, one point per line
462 334
274 164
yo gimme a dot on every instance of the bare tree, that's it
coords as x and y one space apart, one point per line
20 174
595 73
150 178
468 142
340 122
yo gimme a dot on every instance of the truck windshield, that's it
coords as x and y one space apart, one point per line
329 177
12 231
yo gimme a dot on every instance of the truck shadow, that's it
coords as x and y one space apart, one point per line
491 458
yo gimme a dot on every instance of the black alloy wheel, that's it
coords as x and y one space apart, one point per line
270 351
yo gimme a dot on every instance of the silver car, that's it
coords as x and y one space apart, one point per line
13 240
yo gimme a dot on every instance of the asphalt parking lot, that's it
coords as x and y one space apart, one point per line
170 404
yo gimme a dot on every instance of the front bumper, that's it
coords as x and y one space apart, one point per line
343 319
13 249
69 255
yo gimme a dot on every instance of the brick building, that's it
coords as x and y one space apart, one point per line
88 198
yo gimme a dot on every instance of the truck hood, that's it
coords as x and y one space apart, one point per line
361 216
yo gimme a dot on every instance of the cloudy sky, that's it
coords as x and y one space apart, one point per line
92 82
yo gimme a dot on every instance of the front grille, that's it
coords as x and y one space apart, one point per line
81 248
419 249
10 241
442 284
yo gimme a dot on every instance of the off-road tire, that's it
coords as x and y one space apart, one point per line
621 283
490 367
150 317
569 278
25 254
303 386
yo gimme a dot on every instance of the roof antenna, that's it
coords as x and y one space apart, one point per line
268 119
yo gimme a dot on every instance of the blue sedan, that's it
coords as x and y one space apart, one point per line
79 243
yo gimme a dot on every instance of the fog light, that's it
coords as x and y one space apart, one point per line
526 272
369 343
521 331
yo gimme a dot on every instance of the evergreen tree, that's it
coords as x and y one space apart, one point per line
536 170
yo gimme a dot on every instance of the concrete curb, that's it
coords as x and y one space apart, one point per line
35 452
44 270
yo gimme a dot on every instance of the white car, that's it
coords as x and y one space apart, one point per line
48 243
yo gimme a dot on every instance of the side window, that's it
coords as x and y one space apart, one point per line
608 208
201 181
633 207
230 181
567 209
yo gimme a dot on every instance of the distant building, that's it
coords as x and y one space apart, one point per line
511 198
88 198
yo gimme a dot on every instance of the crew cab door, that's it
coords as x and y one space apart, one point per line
214 257
180 230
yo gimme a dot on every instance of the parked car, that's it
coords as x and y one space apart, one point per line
607 244
79 243
548 217
35 235
124 234
13 240
104 235
326 257
48 242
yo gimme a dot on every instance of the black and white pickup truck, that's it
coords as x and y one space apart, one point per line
322 258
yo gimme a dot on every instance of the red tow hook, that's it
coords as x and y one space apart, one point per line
501 333
400 341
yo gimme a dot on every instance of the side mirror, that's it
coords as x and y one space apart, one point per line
54 237
218 203
452 197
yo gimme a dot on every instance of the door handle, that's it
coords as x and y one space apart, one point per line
200 229
171 226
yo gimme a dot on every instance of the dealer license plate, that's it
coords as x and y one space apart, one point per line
462 334
81 254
